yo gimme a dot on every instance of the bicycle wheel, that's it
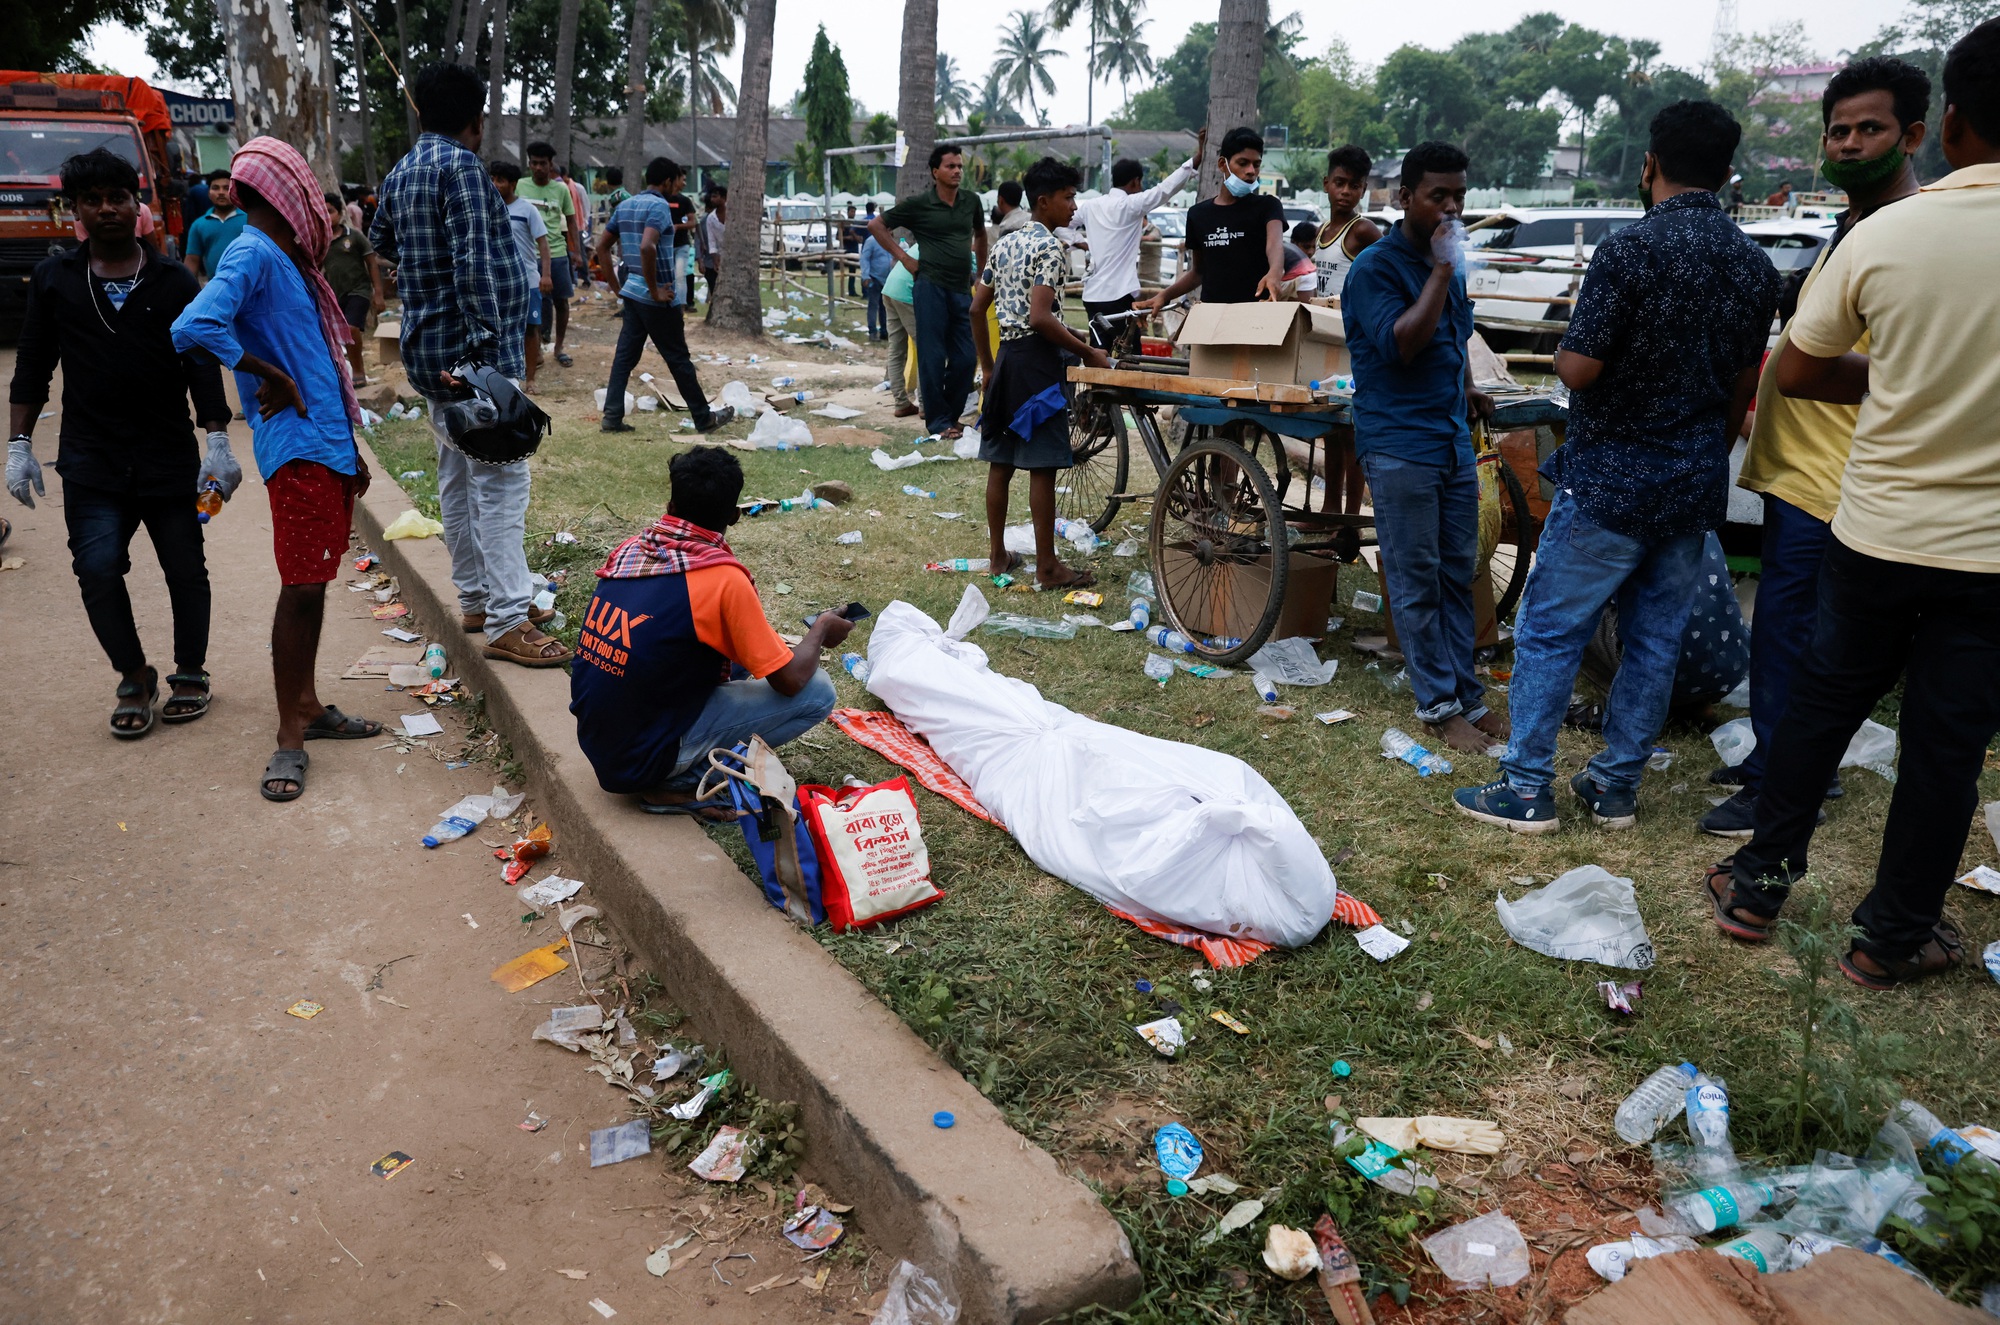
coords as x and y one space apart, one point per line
1215 562
1100 459
1507 563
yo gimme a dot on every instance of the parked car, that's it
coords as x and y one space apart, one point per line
1793 243
1515 242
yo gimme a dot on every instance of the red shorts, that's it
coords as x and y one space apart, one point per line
311 508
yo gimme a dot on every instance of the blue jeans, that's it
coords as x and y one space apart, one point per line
944 352
1427 525
484 510
101 524
739 710
878 317
1579 567
1795 544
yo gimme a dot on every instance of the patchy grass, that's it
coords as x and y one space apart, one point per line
1041 978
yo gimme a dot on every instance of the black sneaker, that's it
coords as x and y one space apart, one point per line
615 425
1735 817
1611 809
727 414
1726 776
1834 791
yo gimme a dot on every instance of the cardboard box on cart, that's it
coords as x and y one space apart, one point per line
1285 342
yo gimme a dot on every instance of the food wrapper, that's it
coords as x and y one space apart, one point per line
1164 1035
725 1158
523 854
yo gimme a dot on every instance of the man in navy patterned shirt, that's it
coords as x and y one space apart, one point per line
1661 360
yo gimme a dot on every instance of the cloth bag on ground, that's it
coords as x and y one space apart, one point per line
1588 915
1151 827
872 862
767 800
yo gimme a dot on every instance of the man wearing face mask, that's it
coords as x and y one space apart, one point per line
1236 240
1661 361
1874 113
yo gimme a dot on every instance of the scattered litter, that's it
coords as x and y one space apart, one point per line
534 1122
1589 914
1489 1249
1240 1215
1141 583
1158 667
1341 1068
469 813
1082 620
850 538
669 1064
1367 602
1984 878
493 1259
1289 1253
1164 1035
692 1107
549 892
662 1258
1465 1136
390 1164
1178 1151
413 524
1214 1184
914 1298
1380 942
602 1308
1084 598
1612 1259
1873 748
572 916
1992 959
1733 741
1339 1275
379 661
1126 548
1294 662
1619 997
1336 715
389 611
562 536
467 918
725 1158
400 635
833 411
814 1228
615 1145
422 724
1661 759
1013 623
531 967
522 855
565 1025
1385 1166
304 1010
1224 1019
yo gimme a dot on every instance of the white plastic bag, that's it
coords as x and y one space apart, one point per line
1152 827
1589 914
914 1298
600 396
737 396
1294 662
967 446
775 432
1734 741
1489 1249
886 462
1873 748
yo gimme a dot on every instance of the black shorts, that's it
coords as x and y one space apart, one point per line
355 308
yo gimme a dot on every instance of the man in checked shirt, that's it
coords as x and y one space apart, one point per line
465 294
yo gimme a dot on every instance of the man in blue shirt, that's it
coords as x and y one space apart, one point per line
642 230
210 234
1661 360
1408 319
875 267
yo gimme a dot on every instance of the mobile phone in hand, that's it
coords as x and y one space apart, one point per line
852 612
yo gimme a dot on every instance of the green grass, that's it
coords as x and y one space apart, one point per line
1041 979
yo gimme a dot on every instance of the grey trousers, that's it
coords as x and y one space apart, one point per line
902 331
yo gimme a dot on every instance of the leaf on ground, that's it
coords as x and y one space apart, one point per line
493 1259
574 1274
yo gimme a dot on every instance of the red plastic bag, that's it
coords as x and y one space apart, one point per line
873 865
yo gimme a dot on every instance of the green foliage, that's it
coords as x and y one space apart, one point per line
1337 103
1178 98
1956 1245
1922 34
48 35
1021 67
184 38
1510 146
1426 94
828 111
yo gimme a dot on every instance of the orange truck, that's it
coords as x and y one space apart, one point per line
44 120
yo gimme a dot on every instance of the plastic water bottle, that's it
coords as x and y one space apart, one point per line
1766 1250
1267 689
783 381
1708 1124
1398 744
1142 614
857 666
1079 533
912 490
1656 1102
1166 637
959 563
1926 1131
802 396
1724 1205
208 502
434 660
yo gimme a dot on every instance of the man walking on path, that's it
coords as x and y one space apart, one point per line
945 220
210 235
1408 319
271 316
642 232
355 274
547 191
1661 360
1873 112
104 311
1910 588
465 292
1112 224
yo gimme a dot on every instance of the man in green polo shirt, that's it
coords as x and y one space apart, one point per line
948 226
546 189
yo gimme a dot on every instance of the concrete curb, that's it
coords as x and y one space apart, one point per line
1020 1240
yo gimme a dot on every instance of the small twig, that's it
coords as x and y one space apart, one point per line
376 982
336 1241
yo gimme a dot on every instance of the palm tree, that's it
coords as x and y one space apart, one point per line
708 29
1062 13
1233 72
632 150
916 95
992 106
737 305
1122 52
1022 63
565 75
954 95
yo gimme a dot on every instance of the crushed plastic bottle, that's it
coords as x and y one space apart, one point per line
1927 1132
1013 623
459 820
1763 1248
1398 744
1079 533
1724 1205
1142 614
1159 668
1166 637
1657 1101
857 666
434 663
1140 582
960 563
1708 1124
912 490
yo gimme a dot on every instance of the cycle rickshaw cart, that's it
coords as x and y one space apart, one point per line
1237 498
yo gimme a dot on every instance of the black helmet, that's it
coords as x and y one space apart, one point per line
494 422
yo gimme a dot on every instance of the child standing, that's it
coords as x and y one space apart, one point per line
531 237
1025 422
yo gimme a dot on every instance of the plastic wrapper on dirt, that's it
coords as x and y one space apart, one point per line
915 1298
1588 914
1482 1251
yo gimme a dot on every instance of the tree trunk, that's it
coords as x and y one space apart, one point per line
454 26
632 151
521 125
404 90
916 95
466 49
496 72
276 79
693 101
565 78
1232 76
316 32
366 119
738 305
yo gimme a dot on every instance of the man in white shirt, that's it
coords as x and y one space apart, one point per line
1112 224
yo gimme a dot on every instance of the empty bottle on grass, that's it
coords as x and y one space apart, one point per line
782 382
1926 1131
1763 1248
1398 744
1166 637
1724 1205
912 490
1708 1124
1656 1102
857 666
1142 614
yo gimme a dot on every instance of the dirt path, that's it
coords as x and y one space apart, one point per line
180 1149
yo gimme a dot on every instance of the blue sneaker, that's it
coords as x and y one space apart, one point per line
1611 809
1499 804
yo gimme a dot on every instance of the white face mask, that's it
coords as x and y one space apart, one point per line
1241 188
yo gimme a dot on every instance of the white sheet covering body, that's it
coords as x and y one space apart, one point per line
1153 827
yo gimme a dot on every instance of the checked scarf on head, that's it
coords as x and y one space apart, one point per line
276 172
671 547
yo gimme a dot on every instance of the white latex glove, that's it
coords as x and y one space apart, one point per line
1467 1136
23 470
220 465
1395 1133
1448 243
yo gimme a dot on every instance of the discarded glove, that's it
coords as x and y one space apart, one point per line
1468 1136
411 524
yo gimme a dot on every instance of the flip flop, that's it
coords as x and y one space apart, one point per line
190 706
333 725
565 360
1724 904
128 692
1082 580
285 766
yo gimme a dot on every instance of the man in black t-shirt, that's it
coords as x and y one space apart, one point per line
1235 239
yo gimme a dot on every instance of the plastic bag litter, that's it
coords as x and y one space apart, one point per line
830 410
600 396
1589 914
888 463
737 396
1733 741
413 524
967 446
1612 1259
775 432
1873 748
1293 662
914 1298
1489 1249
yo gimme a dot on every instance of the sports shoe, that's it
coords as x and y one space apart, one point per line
1735 817
1499 804
1729 775
725 415
1609 807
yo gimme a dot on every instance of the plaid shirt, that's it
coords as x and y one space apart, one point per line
442 225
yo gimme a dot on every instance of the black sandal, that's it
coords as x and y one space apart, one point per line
333 725
128 692
186 708
1943 951
285 766
1726 906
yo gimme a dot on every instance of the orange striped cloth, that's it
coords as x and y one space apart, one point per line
885 734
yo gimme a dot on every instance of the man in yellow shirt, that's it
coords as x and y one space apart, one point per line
1873 112
1910 588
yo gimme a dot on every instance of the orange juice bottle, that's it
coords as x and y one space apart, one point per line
208 502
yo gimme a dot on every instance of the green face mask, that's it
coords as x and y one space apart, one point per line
1864 175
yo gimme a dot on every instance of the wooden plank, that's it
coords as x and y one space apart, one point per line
1174 384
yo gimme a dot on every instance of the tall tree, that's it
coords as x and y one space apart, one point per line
496 70
363 112
1022 61
916 95
827 109
276 79
708 27
737 305
1121 51
565 80
954 94
632 147
50 34
1233 76
403 58
1062 13
1426 94
184 41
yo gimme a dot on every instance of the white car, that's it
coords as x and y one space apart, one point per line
1793 243
1515 243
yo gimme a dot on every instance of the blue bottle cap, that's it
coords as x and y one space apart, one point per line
430 841
1143 986
1341 1068
1175 1187
943 1118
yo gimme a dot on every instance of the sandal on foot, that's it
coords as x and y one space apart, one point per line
693 809
565 360
1941 952
528 647
135 701
285 766
333 725
1726 907
1079 579
474 622
186 708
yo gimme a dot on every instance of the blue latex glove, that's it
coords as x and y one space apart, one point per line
23 470
220 466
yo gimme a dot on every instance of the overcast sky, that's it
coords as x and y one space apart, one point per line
868 36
